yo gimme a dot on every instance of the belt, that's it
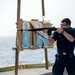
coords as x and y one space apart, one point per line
64 53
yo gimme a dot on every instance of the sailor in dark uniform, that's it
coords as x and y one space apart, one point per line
65 49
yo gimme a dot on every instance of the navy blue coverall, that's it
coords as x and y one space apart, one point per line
65 54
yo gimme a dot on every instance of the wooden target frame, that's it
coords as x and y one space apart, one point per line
19 43
31 39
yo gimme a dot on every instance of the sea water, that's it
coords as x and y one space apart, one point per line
7 54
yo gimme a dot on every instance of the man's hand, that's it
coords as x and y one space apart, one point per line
59 30
45 30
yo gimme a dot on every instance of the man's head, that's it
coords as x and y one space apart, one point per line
65 23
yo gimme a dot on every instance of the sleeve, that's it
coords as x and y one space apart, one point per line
73 32
54 36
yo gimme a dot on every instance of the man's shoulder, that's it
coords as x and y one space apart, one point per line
73 31
72 28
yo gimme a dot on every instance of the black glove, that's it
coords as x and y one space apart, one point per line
49 32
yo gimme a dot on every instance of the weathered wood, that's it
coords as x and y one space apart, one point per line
18 9
16 62
46 58
17 51
19 35
43 9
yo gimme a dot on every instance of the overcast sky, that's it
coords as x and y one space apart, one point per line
55 11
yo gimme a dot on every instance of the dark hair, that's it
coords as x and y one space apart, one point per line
67 20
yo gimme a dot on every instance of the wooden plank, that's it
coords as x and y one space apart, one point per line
45 25
19 35
34 24
31 37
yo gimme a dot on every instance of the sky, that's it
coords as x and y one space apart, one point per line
55 11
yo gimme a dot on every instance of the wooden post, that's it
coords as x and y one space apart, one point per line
46 58
17 51
43 11
18 9
43 14
16 61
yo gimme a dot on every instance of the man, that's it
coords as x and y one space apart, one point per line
65 49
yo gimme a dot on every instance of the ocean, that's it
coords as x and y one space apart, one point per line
7 54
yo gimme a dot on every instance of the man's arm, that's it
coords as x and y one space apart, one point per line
51 40
67 35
